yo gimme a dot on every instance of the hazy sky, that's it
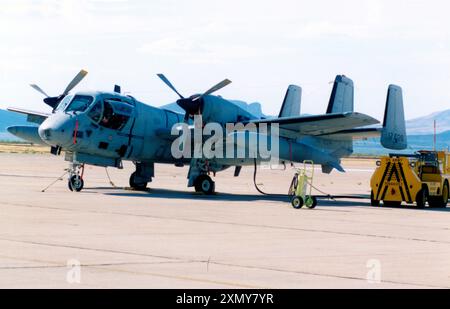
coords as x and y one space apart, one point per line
262 46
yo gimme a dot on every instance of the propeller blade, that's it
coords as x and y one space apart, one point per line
77 79
167 82
217 87
37 88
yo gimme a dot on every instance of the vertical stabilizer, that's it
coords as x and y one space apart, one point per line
292 102
393 135
342 96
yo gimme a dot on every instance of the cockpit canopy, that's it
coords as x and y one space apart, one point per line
111 112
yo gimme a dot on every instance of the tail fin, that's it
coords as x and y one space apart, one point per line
341 100
292 102
393 135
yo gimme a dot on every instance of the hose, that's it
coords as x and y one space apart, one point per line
255 172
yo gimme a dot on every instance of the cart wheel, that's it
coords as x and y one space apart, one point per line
297 202
311 202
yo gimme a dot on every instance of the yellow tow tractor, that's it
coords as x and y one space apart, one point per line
422 177
301 187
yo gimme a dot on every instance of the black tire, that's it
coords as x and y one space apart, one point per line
445 195
204 184
373 201
314 203
139 186
297 202
440 201
422 198
392 204
75 183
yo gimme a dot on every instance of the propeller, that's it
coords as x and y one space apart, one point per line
194 104
54 101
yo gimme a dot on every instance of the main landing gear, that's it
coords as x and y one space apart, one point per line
142 176
75 182
136 182
199 178
205 185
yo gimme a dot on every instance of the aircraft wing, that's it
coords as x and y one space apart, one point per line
32 116
294 127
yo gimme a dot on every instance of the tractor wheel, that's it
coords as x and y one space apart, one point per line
373 202
422 198
440 201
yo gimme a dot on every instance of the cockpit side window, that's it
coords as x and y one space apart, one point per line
96 111
80 103
115 114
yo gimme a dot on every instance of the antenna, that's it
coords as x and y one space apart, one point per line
435 135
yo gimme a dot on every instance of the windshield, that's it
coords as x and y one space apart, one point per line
80 103
64 103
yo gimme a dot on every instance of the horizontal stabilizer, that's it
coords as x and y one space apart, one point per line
393 135
292 102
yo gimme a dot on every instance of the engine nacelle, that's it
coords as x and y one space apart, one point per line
216 109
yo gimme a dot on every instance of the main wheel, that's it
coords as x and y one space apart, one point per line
76 183
422 198
204 184
373 201
135 184
297 202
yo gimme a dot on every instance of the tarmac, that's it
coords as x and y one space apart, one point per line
170 237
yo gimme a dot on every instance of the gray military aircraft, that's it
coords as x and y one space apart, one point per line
106 128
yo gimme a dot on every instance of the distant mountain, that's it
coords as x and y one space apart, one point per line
8 119
425 125
415 143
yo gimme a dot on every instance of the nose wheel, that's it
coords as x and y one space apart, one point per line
76 182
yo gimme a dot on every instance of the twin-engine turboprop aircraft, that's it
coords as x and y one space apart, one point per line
106 128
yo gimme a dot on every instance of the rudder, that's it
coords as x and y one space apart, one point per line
292 102
393 135
342 96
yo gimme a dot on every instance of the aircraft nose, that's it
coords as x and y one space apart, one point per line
56 131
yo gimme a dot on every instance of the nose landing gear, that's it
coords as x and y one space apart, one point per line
76 182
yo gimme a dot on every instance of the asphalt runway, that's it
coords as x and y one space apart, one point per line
170 237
